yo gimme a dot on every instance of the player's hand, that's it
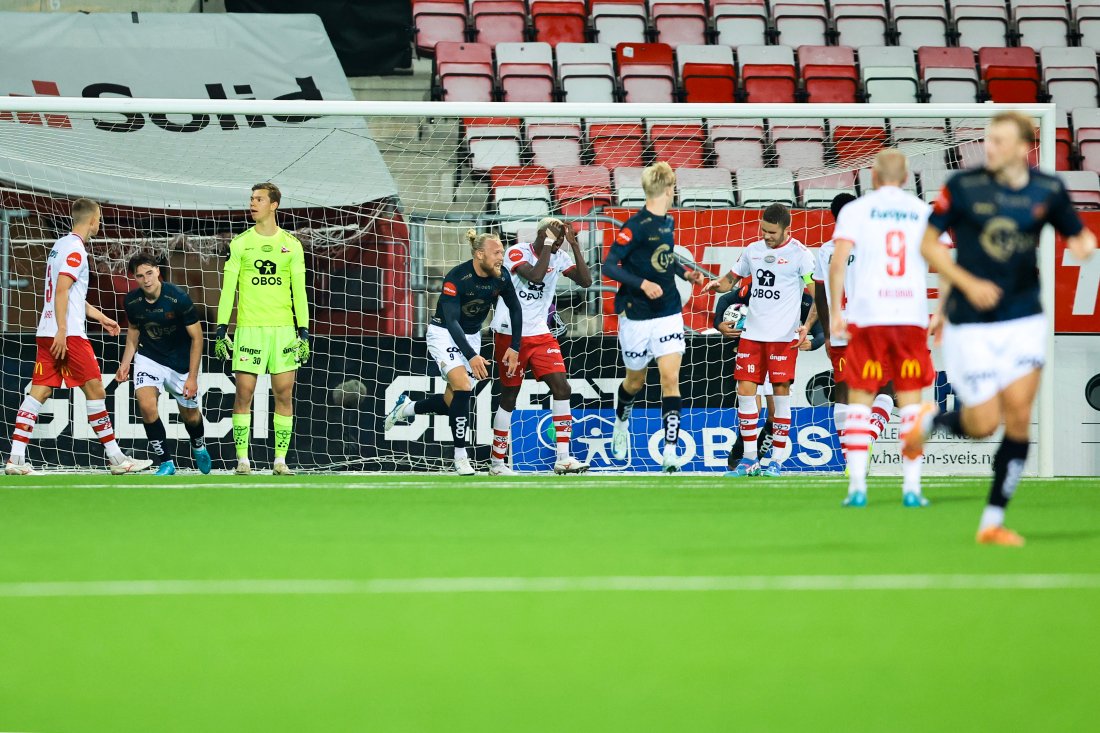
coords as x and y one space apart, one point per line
803 341
511 362
935 328
479 365
123 372
223 345
301 346
652 290
982 294
695 277
719 285
111 326
58 348
726 329
838 327
190 387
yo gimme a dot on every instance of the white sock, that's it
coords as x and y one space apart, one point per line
781 428
280 459
858 429
101 426
24 426
502 423
563 426
880 414
748 414
408 409
992 516
910 467
460 453
840 418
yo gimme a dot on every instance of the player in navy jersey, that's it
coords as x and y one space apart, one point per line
164 342
454 339
651 320
994 335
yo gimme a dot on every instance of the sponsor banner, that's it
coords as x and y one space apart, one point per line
181 162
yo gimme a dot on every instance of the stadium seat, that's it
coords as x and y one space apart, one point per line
438 21
981 23
707 73
865 182
619 21
678 143
737 143
932 182
520 191
628 187
580 188
949 74
586 72
559 22
767 73
704 188
499 21
798 144
1010 74
554 142
829 73
1086 20
857 139
1086 125
763 186
819 191
646 72
1063 147
924 144
860 22
740 22
1083 188
526 72
616 143
801 22
464 72
889 74
492 141
1041 22
1070 76
921 23
680 21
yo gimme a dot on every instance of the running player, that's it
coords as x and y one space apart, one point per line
994 338
65 356
651 319
886 316
267 265
780 267
535 269
454 340
164 342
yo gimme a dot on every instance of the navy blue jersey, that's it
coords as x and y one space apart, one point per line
468 297
163 325
996 232
643 251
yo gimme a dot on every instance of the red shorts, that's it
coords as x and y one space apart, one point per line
838 355
77 368
758 359
542 353
880 354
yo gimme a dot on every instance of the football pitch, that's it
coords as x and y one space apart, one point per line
580 603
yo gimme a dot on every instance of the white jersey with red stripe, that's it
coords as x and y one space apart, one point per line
67 258
888 285
822 259
775 301
535 298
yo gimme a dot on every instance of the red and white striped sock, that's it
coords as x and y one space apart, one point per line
24 427
502 423
563 426
880 414
840 418
748 414
910 467
858 432
100 421
781 428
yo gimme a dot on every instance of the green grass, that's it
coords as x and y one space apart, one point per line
1007 659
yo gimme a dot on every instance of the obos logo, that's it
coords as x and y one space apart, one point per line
591 441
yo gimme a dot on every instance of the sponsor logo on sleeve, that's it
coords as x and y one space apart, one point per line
449 289
625 236
74 259
515 255
942 202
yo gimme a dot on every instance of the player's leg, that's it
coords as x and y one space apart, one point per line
912 371
447 355
838 358
865 376
909 408
462 389
561 395
668 365
750 374
509 390
191 416
155 434
282 386
242 417
28 412
881 410
780 413
634 344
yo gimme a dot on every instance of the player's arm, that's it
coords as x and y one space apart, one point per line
614 269
725 327
838 271
1080 240
191 384
983 294
299 301
133 336
223 346
108 323
725 283
515 314
821 307
536 272
579 272
61 314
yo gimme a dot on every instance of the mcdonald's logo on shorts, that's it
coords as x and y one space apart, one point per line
38 369
840 363
872 369
910 369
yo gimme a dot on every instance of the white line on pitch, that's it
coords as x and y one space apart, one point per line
509 585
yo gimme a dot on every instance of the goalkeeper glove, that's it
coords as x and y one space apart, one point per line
302 346
223 345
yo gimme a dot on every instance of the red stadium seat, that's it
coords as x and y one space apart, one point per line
854 141
555 142
580 188
680 145
646 72
707 73
680 22
499 21
949 74
464 71
737 144
1010 74
559 22
1083 188
829 73
617 144
492 141
438 20
526 72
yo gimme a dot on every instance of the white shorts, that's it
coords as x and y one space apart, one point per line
643 341
446 353
984 358
149 373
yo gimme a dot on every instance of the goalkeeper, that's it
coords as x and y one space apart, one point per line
267 266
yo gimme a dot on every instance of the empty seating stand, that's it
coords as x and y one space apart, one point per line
829 73
679 22
628 187
921 22
1041 22
520 191
616 143
680 144
1083 188
981 22
740 22
949 74
763 186
889 74
1070 77
464 72
586 72
492 142
737 143
619 21
861 22
704 188
499 21
801 22
580 188
1086 123
554 142
438 20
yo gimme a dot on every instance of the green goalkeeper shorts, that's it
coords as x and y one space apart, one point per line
265 349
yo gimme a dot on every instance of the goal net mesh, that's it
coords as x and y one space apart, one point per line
381 205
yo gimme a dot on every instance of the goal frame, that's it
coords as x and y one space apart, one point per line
1044 115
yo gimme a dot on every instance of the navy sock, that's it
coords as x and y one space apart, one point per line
625 402
460 417
158 439
432 405
1008 466
670 415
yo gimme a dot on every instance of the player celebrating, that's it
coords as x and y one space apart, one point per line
887 310
454 340
535 270
65 356
267 265
780 267
164 342
651 319
993 341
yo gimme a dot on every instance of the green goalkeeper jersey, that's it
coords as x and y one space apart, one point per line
270 273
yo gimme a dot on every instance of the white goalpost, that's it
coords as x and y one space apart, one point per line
380 194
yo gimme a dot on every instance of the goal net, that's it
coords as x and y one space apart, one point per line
380 194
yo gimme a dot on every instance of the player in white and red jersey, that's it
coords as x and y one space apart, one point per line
780 267
886 318
535 268
65 356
